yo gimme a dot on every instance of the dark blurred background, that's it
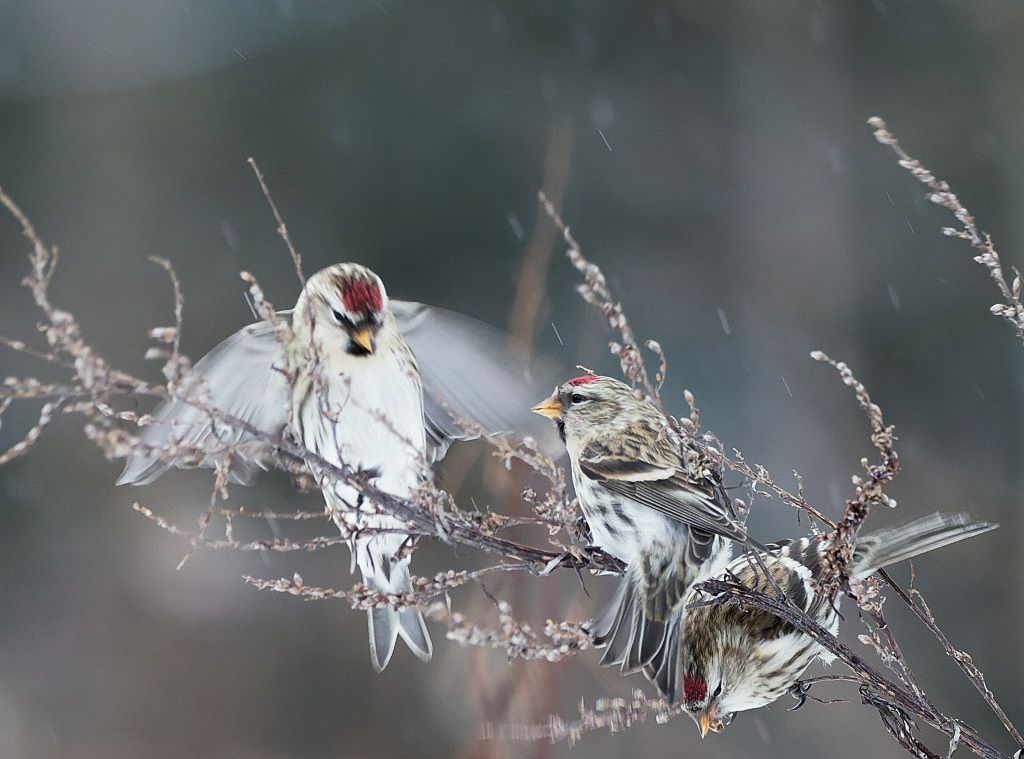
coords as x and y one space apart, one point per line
712 158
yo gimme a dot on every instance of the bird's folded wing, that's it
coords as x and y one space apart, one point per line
666 490
240 378
473 373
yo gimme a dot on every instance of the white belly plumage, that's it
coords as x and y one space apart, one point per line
370 420
620 527
628 530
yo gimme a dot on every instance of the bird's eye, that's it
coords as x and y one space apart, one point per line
577 398
340 317
717 693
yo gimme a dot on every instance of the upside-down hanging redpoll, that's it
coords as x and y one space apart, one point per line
349 386
734 659
644 507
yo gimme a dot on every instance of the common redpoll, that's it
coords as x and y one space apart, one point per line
348 387
734 659
644 507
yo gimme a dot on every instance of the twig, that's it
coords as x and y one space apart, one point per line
837 558
281 228
596 292
962 659
940 194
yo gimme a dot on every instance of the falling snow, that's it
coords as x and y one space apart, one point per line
555 329
725 321
517 227
894 298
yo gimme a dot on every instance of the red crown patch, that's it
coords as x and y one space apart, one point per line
361 296
577 381
695 689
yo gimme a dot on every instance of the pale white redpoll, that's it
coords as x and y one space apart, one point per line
644 507
733 659
349 386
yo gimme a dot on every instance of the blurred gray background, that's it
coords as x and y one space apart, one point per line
713 160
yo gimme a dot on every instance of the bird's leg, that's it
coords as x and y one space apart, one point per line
799 691
581 531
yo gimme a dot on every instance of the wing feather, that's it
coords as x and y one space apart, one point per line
472 372
677 499
663 487
239 379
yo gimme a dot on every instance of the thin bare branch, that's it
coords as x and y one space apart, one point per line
281 228
1010 308
866 492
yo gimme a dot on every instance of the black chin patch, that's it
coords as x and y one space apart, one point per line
560 424
355 349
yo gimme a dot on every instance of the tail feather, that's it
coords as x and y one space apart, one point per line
880 549
411 625
647 644
630 636
616 637
383 628
662 668
413 629
386 624
631 662
605 626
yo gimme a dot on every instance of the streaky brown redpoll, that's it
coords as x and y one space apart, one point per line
734 659
645 508
349 386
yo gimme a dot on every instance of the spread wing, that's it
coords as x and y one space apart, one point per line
471 372
240 380
661 485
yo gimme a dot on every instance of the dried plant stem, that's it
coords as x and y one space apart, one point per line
281 228
596 292
940 193
361 597
612 714
963 660
866 492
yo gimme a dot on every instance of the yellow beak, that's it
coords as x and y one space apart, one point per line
551 408
706 719
363 337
